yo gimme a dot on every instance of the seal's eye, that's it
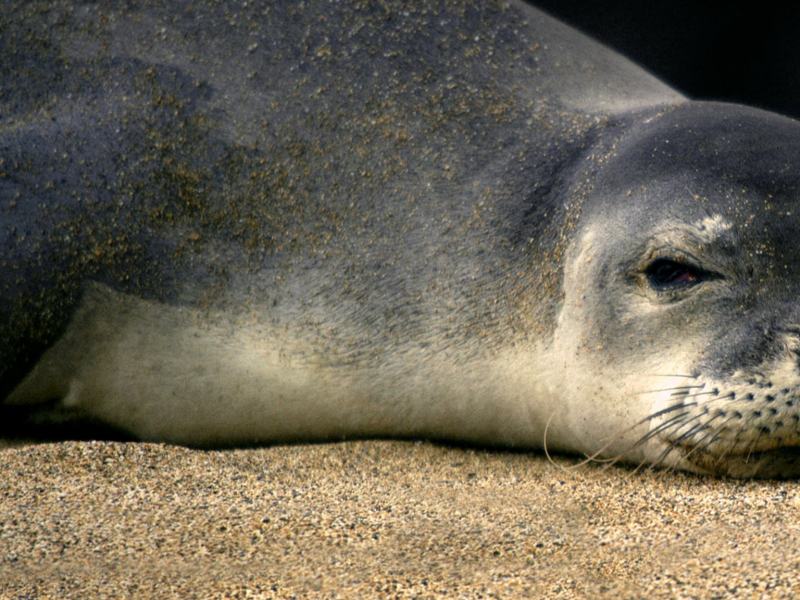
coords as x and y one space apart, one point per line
666 274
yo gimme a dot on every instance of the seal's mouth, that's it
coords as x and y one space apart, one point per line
779 463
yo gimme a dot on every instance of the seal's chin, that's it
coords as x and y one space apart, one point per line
780 463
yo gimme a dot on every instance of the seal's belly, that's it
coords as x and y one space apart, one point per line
172 373
183 375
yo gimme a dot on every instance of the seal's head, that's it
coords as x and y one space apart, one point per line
685 276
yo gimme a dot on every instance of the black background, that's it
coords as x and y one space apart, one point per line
745 53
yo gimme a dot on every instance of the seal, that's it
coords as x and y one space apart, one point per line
256 222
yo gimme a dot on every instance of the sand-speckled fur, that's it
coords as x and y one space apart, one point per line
236 222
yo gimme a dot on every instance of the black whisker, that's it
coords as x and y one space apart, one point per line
674 444
594 457
711 392
753 445
678 387
677 419
731 446
713 433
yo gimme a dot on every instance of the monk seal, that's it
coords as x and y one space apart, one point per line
254 222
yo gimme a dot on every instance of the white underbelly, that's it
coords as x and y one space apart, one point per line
188 376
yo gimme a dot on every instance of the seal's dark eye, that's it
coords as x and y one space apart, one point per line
666 274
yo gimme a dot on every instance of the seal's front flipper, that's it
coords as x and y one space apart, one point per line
54 421
47 411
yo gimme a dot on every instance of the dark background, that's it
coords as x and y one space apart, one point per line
745 53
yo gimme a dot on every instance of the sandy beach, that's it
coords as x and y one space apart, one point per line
380 519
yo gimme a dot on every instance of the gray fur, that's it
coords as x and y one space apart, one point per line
385 196
370 159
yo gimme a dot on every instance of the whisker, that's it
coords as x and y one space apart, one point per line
544 441
712 392
677 419
669 389
713 432
665 411
718 431
594 457
638 467
674 444
731 446
547 452
644 438
707 403
683 425
692 419
753 445
670 375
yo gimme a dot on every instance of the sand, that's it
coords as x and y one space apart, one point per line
380 519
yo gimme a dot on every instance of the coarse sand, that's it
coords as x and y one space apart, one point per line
380 519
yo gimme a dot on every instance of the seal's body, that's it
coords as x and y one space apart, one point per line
228 223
